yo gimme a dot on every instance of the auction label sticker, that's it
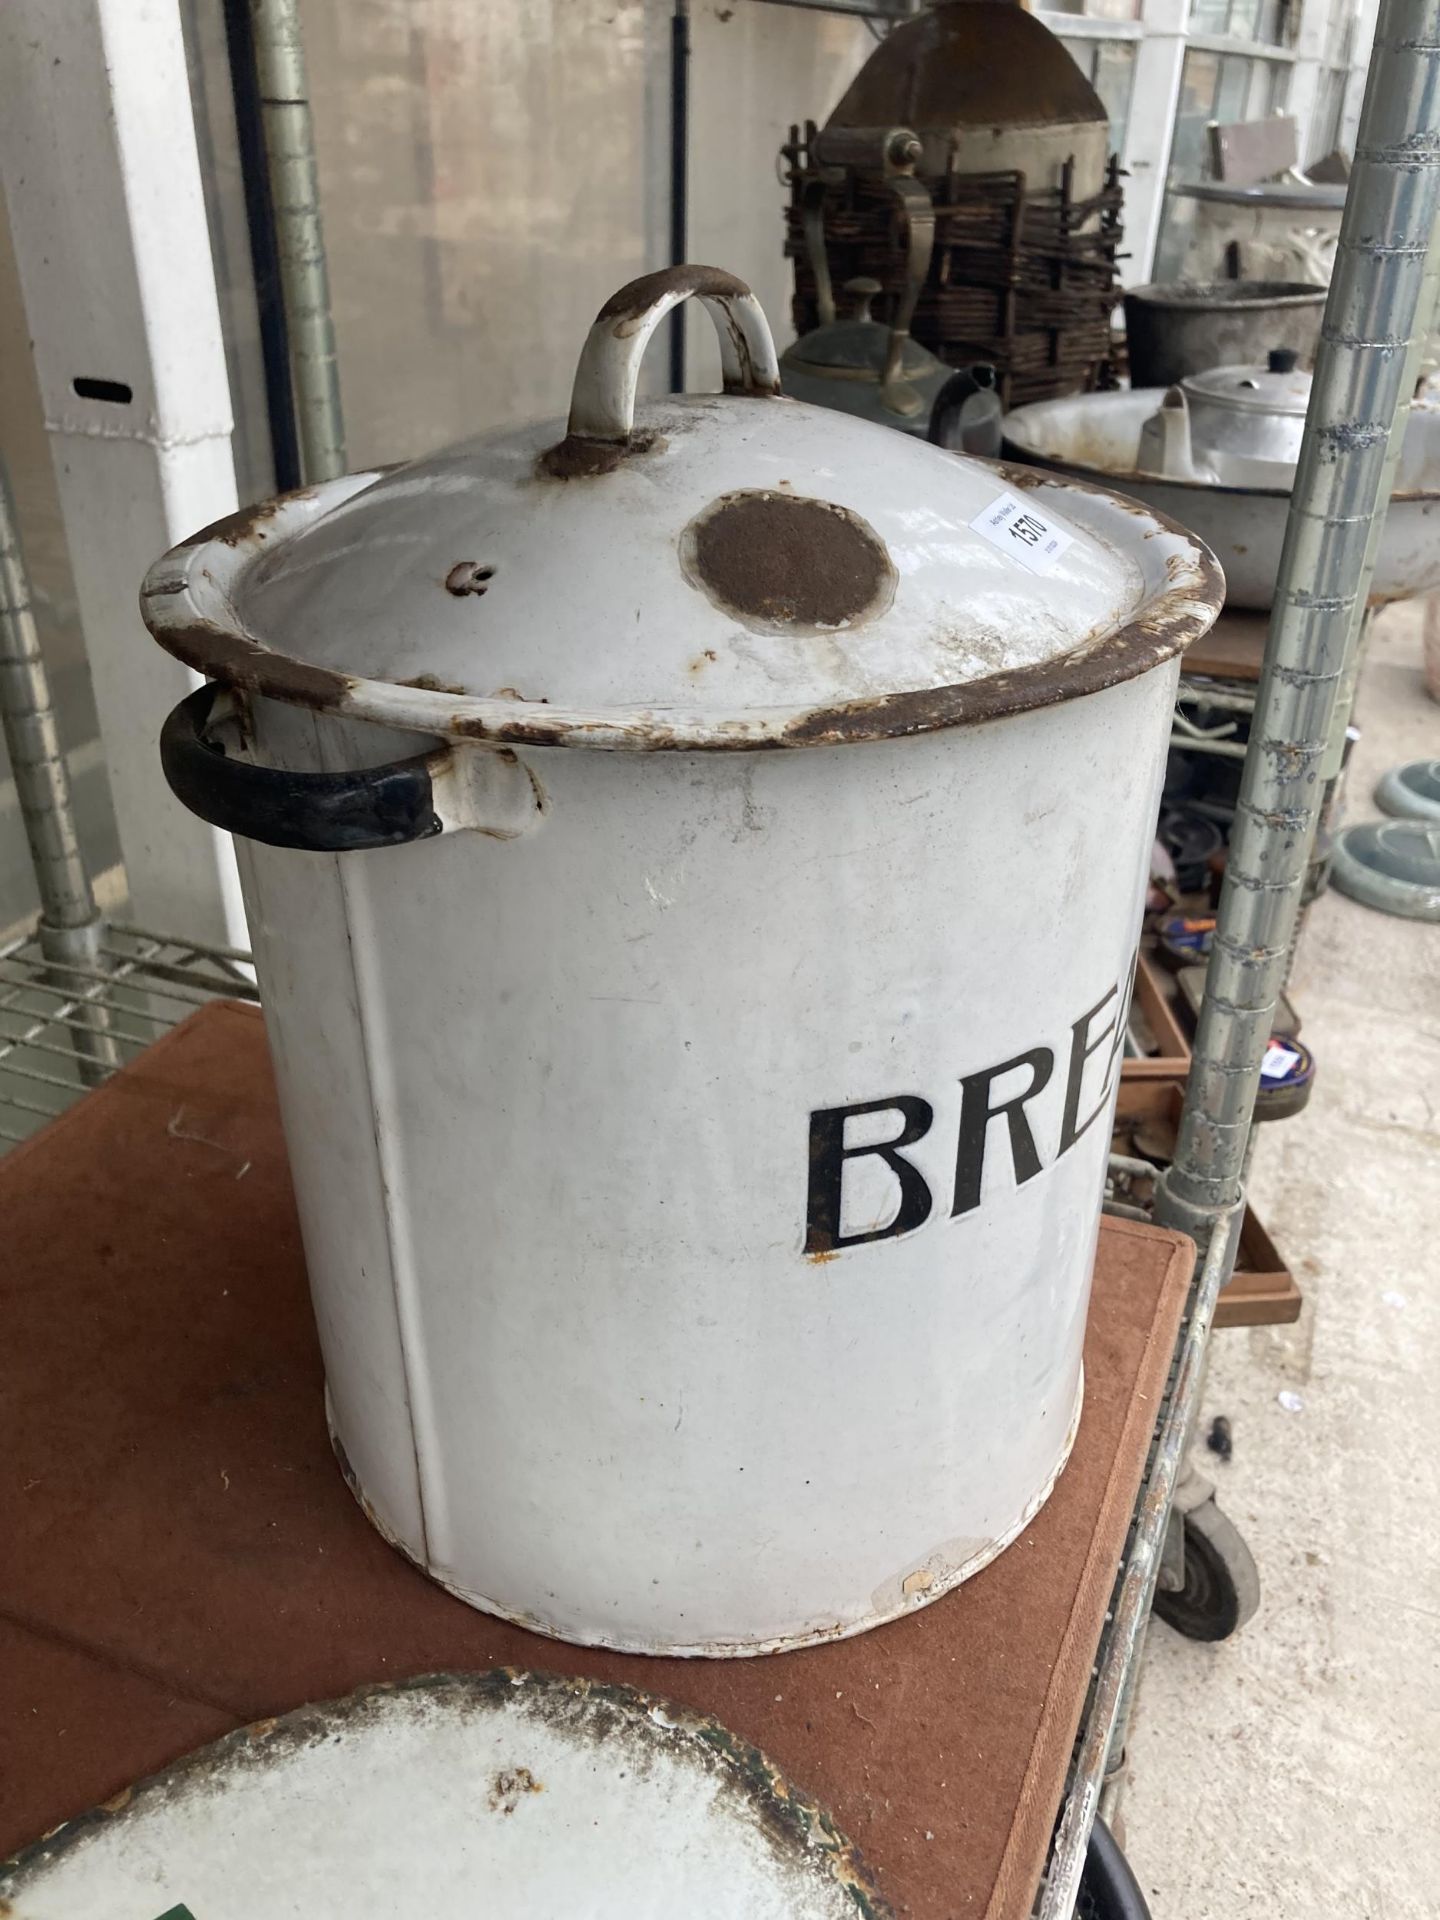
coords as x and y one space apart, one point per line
1278 1061
1021 530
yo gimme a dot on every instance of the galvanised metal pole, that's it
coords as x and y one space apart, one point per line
1375 303
295 194
70 926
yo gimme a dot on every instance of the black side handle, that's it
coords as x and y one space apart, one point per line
315 812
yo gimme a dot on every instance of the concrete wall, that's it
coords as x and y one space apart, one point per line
26 455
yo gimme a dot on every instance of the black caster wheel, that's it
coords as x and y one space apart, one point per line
1222 1582
1108 1887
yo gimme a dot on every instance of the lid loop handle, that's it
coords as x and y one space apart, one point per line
602 404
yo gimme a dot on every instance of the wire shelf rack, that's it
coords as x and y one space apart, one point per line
64 1028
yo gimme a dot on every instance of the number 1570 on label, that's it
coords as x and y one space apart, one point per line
1022 532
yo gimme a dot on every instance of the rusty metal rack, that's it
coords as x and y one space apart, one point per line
65 1027
1020 277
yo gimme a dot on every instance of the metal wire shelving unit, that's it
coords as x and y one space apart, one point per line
65 1027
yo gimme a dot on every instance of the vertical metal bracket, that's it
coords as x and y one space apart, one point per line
102 182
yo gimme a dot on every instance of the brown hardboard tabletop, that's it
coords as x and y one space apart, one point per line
181 1555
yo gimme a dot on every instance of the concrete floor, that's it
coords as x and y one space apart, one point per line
1295 1770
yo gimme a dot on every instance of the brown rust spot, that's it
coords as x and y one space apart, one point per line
615 1719
524 733
1133 649
432 683
635 299
509 1788
784 563
749 380
703 660
235 660
577 457
627 311
234 529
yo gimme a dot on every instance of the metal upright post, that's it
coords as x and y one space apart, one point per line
70 926
1377 300
295 193
1340 492
1424 324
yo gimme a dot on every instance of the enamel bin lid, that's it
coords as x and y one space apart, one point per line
732 570
499 1794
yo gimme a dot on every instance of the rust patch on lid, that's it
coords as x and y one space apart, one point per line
247 522
509 1786
251 524
1153 636
236 660
787 564
577 457
432 683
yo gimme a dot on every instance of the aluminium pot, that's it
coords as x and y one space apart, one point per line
1096 437
1186 327
695 862
1231 427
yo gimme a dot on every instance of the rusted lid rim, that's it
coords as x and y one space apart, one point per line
189 604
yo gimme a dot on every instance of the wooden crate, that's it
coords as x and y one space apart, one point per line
1146 1084
1262 1291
